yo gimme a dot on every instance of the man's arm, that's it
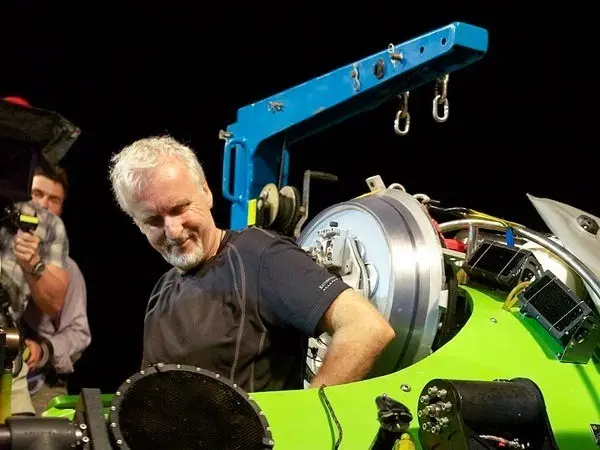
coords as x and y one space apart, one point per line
297 293
73 335
357 329
48 290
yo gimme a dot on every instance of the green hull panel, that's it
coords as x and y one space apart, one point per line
493 344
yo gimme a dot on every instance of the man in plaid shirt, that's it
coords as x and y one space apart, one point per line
32 268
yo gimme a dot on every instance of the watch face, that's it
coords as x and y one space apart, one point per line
39 268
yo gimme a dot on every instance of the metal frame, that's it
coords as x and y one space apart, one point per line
256 146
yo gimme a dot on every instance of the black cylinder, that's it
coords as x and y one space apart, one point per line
494 407
41 433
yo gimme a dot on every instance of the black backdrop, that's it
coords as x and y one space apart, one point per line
521 120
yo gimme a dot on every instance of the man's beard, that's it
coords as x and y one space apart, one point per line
187 260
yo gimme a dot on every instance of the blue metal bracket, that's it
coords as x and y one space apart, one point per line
257 142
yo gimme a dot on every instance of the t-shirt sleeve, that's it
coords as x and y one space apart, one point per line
293 290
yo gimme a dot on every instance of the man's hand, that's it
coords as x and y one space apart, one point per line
35 353
26 246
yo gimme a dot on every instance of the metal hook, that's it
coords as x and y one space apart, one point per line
402 114
446 107
441 99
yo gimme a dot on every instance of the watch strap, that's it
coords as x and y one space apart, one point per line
38 269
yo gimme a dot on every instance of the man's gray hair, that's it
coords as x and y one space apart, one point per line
128 173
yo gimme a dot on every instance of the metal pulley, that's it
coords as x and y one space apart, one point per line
385 246
279 209
286 210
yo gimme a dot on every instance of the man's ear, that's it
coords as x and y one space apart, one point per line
207 192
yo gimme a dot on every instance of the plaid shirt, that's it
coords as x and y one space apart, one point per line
53 250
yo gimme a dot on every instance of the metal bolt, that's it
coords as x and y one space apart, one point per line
379 69
83 426
588 224
405 388
275 106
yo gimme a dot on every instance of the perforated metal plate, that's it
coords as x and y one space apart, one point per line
185 407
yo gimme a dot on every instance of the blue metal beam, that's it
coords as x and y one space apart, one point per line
258 141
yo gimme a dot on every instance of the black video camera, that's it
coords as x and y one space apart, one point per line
29 137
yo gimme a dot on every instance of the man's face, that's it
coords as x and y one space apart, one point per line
48 194
174 214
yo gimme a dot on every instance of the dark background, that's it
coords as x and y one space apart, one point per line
522 119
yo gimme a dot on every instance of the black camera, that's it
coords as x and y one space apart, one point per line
29 137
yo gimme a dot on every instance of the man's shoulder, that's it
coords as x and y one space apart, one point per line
258 239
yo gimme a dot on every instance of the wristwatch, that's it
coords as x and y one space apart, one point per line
38 269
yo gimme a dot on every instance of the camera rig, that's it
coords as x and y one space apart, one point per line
29 137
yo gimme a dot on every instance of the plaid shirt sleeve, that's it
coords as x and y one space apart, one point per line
56 248
54 243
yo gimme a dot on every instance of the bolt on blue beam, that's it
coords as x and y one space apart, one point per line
256 145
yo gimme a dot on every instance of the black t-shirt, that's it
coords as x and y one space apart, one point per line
245 314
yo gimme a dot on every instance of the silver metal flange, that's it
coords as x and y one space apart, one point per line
399 243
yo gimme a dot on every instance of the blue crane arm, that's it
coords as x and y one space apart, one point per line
257 142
